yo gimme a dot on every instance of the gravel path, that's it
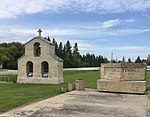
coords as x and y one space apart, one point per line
88 103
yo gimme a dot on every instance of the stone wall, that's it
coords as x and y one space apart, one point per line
46 47
122 77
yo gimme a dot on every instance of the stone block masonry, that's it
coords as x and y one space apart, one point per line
123 77
40 64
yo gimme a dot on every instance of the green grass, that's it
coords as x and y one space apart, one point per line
148 80
14 95
90 77
12 77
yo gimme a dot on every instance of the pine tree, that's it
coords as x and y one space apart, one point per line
129 60
100 60
93 60
75 49
10 52
76 56
138 60
48 39
53 40
68 47
60 50
67 55
56 46
123 60
148 60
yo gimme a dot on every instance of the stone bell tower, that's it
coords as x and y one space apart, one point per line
40 64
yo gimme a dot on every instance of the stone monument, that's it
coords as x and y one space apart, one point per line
123 77
40 65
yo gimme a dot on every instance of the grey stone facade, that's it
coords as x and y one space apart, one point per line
40 65
123 77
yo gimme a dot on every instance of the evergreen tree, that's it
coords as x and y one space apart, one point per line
148 60
64 50
53 40
105 60
60 50
48 39
129 60
68 58
68 47
123 60
56 46
10 52
93 60
76 56
88 59
75 49
138 60
144 61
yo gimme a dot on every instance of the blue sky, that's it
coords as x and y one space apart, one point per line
102 27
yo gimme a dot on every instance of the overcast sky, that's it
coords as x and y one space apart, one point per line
98 26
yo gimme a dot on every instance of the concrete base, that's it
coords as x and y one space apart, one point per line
34 80
121 86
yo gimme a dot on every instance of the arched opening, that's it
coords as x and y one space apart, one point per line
45 69
29 69
37 49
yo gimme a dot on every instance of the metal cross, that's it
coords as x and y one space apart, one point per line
39 31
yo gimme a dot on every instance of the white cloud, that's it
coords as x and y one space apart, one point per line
130 20
85 31
9 34
130 31
110 23
14 8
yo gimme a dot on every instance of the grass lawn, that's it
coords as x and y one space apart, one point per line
148 80
12 77
90 77
13 94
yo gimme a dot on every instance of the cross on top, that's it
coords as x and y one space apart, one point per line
39 31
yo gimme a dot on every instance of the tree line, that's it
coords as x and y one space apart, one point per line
137 60
72 57
11 52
